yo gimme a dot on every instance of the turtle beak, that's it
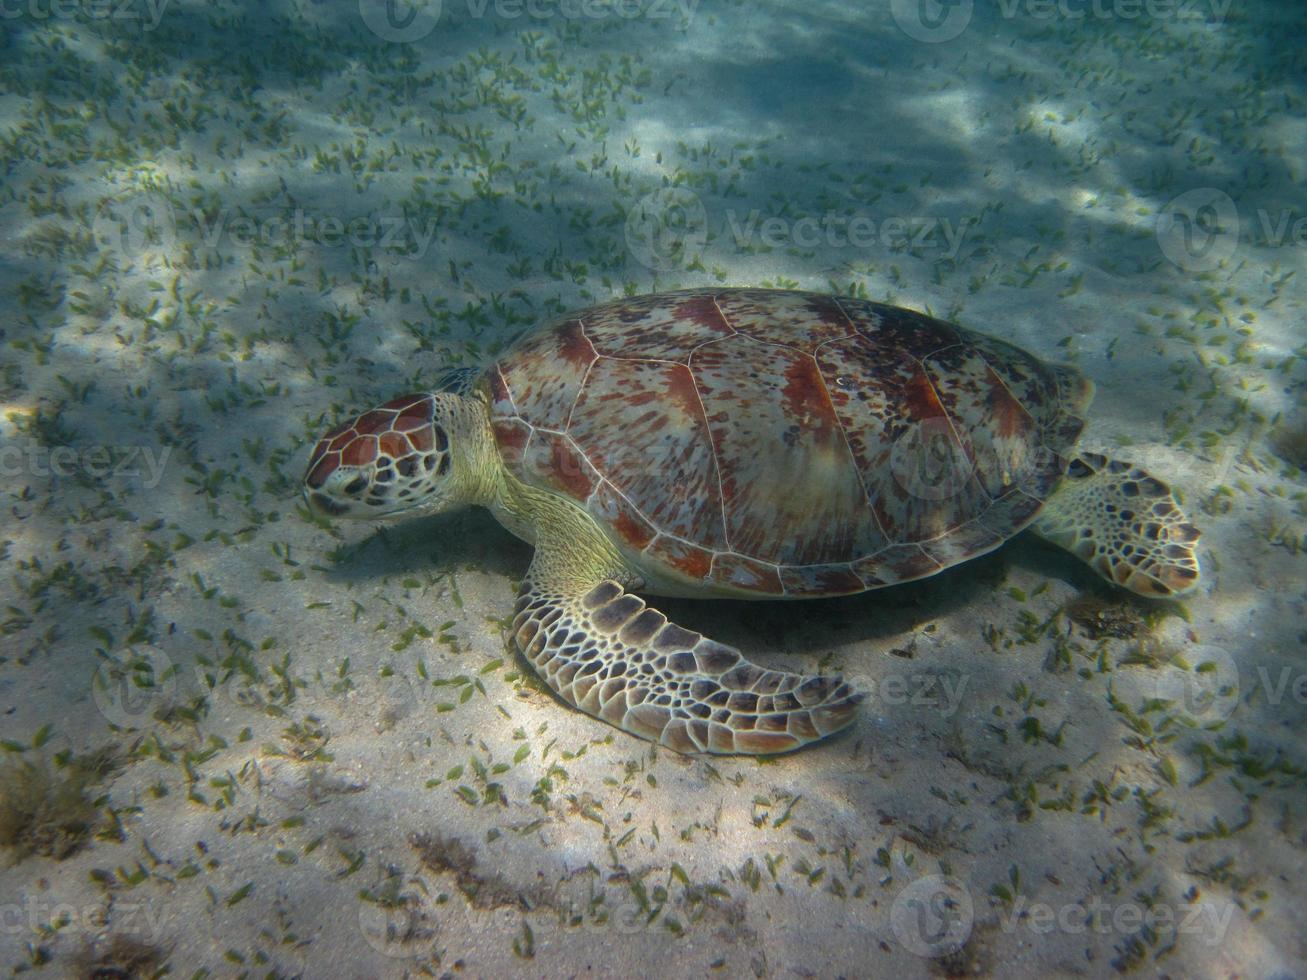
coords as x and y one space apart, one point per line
323 504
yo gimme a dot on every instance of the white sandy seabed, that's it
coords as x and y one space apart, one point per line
239 743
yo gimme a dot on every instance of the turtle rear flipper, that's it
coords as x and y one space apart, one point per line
1125 524
608 654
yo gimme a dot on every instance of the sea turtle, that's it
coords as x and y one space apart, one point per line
752 444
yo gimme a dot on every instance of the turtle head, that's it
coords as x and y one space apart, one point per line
391 460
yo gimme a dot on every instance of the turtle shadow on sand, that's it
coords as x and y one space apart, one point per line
773 630
437 545
888 617
472 538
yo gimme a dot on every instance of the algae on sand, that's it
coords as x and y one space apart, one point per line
48 811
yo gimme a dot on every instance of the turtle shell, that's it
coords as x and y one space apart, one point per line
781 443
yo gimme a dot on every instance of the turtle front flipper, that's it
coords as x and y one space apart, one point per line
608 654
1125 524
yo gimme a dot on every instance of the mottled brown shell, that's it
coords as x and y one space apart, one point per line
785 443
